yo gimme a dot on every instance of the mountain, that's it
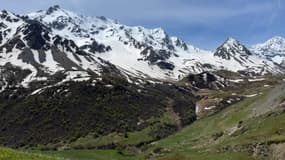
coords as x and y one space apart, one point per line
60 40
232 49
142 51
135 49
71 91
273 49
32 46
75 75
242 59
70 82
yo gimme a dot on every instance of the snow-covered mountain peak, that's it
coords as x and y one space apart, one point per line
276 39
53 9
9 22
83 28
231 42
8 16
273 49
158 32
272 45
54 14
58 40
232 48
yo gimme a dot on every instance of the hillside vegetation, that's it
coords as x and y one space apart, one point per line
233 133
9 154
241 131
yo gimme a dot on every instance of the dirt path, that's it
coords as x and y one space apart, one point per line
273 99
173 114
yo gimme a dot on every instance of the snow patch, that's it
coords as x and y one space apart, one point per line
210 108
251 95
256 80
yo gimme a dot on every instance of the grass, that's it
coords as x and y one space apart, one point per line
188 143
194 142
210 125
132 138
9 154
92 155
194 155
267 128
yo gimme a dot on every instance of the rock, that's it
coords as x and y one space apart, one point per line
278 151
237 130
165 65
261 150
282 107
218 135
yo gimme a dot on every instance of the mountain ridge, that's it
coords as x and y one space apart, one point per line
273 49
135 51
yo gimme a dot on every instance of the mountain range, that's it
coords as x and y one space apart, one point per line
46 42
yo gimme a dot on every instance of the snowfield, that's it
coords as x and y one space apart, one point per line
96 43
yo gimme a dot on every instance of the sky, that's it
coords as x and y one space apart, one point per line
202 23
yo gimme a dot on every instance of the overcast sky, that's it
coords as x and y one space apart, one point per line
203 23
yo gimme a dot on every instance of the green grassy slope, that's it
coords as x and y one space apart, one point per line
93 155
208 138
197 140
9 154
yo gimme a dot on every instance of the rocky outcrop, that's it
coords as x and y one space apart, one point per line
206 80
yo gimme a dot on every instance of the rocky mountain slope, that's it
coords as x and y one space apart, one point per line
149 51
273 49
70 91
46 42
241 59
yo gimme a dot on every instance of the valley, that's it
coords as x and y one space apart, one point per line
75 87
233 132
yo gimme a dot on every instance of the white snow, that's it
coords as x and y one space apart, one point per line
251 95
109 86
278 59
236 80
124 55
197 108
77 76
256 80
273 49
114 34
210 108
